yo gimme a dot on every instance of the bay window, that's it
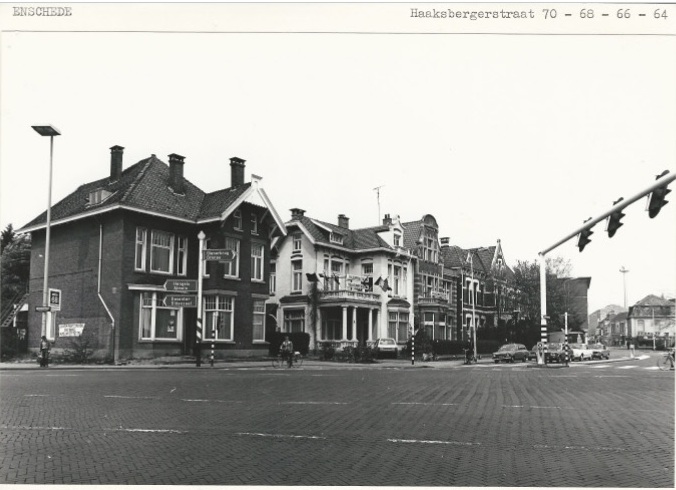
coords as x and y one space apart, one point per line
294 320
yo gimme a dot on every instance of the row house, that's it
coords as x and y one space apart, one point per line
340 285
652 317
116 243
435 289
486 293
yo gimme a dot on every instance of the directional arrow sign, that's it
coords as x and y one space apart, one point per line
180 300
220 254
181 285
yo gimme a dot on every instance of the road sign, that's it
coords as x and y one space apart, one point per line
42 309
181 285
181 300
55 299
220 254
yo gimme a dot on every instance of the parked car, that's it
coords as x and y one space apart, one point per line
511 353
556 352
386 346
600 351
580 352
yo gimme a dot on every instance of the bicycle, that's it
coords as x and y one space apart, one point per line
666 361
278 361
470 357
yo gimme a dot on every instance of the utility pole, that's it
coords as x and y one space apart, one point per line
624 271
377 189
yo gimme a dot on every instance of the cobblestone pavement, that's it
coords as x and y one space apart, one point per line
483 425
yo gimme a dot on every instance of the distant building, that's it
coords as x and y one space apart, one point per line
598 316
652 320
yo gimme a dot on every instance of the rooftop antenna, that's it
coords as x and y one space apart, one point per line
377 189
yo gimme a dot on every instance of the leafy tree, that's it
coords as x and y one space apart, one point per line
7 237
527 279
15 267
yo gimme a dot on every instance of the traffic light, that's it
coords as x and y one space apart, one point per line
657 197
584 239
614 220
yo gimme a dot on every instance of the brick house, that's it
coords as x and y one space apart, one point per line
485 286
116 241
340 285
435 291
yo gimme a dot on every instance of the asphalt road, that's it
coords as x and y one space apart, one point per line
598 425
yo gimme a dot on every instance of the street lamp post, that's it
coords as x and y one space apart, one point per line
51 131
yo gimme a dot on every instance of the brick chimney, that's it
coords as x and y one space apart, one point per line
236 171
176 181
445 241
343 221
387 220
116 153
297 213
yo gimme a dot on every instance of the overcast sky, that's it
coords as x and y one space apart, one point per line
517 138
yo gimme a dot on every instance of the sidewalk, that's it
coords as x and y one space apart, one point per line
266 363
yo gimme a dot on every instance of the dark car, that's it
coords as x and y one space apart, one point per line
556 352
511 353
600 351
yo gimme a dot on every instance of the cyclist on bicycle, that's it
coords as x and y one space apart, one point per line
469 352
286 350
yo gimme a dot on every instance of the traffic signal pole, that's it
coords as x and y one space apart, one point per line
659 185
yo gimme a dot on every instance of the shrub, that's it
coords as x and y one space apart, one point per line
327 351
359 354
80 348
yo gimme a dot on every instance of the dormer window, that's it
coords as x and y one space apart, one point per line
98 196
397 240
336 238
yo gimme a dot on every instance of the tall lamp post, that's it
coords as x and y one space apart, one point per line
51 131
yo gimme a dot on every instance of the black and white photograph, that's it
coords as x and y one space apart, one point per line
337 244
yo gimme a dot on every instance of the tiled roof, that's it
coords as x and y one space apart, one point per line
652 300
357 239
145 186
215 202
412 232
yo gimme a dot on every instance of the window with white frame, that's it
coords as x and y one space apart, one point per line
296 276
182 256
273 277
157 321
231 268
141 249
257 261
402 329
294 320
396 288
393 318
161 252
259 320
254 224
428 321
367 269
297 243
397 240
237 219
219 313
98 196
337 269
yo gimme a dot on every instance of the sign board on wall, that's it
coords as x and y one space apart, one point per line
71 329
55 299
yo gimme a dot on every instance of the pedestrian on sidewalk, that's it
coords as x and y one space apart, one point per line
45 346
